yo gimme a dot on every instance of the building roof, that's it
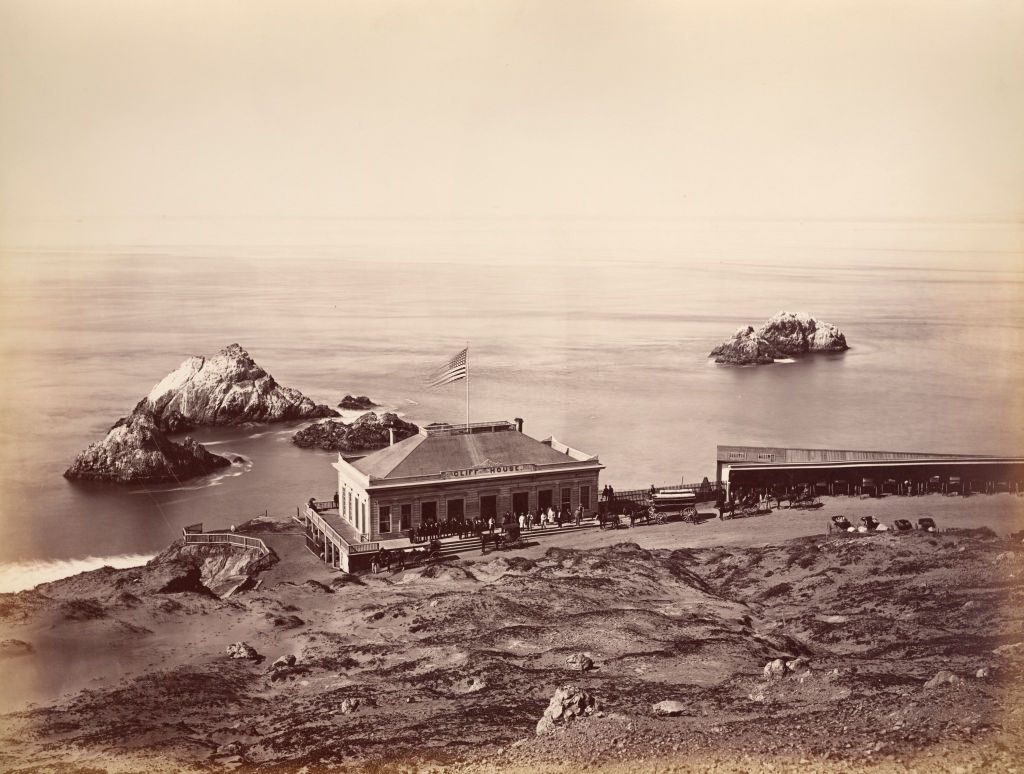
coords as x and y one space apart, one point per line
430 455
777 455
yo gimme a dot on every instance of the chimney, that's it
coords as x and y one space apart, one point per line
391 436
519 424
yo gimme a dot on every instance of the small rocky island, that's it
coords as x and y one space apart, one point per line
226 389
136 451
354 403
367 433
785 335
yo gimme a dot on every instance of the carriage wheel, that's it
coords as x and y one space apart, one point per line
690 513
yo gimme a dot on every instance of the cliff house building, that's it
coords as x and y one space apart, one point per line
450 472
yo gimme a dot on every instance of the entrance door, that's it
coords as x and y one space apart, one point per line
520 502
489 507
428 512
456 509
545 497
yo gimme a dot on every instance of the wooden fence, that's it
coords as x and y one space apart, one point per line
193 536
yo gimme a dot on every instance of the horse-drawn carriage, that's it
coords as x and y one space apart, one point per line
750 504
511 537
400 558
666 502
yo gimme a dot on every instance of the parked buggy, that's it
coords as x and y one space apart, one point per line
902 526
840 523
927 524
871 524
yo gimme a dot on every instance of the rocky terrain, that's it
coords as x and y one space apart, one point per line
354 403
136 451
226 389
366 433
820 654
786 335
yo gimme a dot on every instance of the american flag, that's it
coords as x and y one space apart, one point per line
452 371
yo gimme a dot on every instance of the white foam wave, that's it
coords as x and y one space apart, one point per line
784 360
19 576
236 469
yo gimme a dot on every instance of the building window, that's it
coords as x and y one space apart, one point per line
737 455
585 497
766 457
567 497
406 516
384 524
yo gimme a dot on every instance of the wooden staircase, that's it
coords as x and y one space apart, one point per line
455 546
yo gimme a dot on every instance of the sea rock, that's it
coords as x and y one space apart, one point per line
135 450
775 669
173 422
669 708
353 403
366 433
226 389
944 677
785 335
283 662
242 650
984 673
349 706
579 662
568 703
746 347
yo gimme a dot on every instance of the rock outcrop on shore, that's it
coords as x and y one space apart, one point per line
785 335
136 451
226 389
357 403
366 433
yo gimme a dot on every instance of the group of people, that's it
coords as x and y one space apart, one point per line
434 530
547 517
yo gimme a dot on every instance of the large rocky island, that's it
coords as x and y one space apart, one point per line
366 433
136 451
786 335
226 389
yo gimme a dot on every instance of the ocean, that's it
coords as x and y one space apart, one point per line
608 355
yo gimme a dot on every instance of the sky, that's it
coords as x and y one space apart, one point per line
217 122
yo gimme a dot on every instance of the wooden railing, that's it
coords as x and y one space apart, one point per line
350 548
323 505
192 537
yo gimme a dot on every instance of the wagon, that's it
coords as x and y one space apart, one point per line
681 501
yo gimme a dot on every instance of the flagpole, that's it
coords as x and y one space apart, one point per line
467 385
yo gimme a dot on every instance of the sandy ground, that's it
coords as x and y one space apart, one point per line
453 664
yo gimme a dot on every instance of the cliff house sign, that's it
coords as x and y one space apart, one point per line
487 468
